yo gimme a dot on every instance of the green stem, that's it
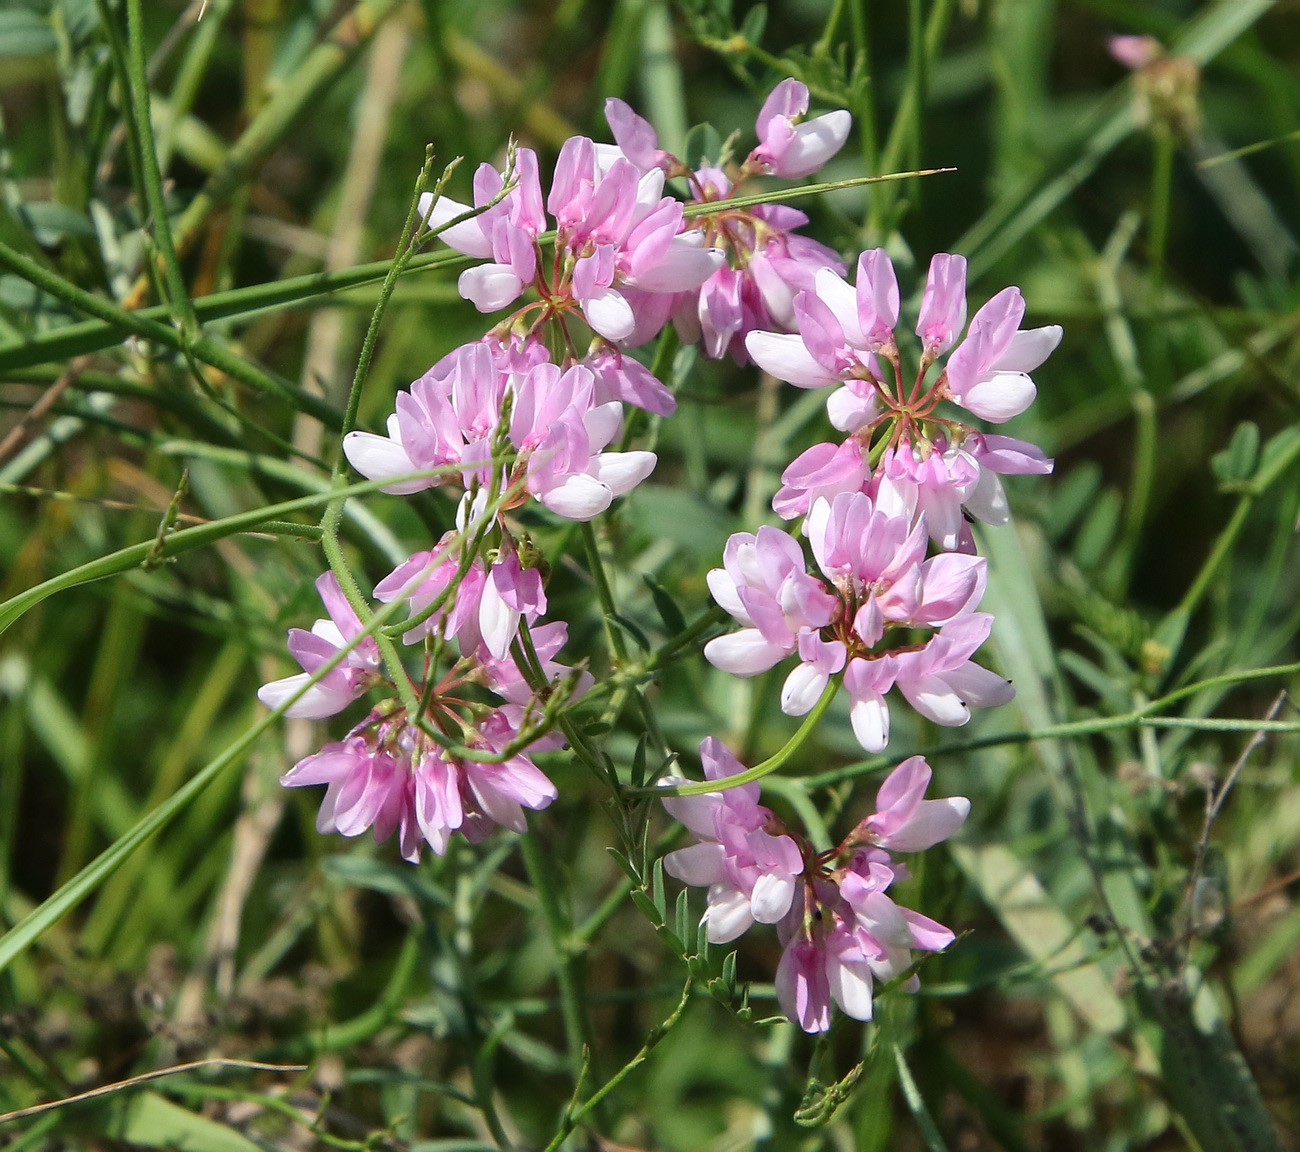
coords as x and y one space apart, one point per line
105 331
301 89
568 959
123 322
575 1115
32 926
183 540
137 86
189 76
1142 717
1162 170
71 340
771 764
604 593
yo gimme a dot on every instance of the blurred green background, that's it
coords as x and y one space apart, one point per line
1124 980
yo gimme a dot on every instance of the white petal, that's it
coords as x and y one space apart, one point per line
700 864
851 987
497 621
802 688
603 423
609 313
786 357
1029 349
988 500
935 700
723 588
932 821
377 456
842 299
683 267
870 720
744 653
1000 396
314 704
577 497
489 286
728 914
815 142
466 237
771 897
623 471
848 411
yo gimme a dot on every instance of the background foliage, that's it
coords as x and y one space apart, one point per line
172 353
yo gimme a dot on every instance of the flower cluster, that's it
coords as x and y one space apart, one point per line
878 591
840 931
882 611
533 411
457 763
766 265
889 599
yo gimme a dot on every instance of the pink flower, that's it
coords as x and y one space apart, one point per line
616 234
505 679
903 820
448 418
561 433
935 484
943 306
455 416
636 137
767 265
389 776
988 373
841 329
844 333
847 933
749 871
506 233
620 377
879 586
425 577
1135 52
343 683
497 794
844 936
790 146
840 931
763 584
822 472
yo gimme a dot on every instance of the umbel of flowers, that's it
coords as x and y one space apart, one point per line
877 588
840 931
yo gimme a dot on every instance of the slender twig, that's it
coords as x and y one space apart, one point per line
144 1077
771 764
1214 802
1139 718
575 1116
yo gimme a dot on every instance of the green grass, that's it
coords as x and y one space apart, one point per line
198 222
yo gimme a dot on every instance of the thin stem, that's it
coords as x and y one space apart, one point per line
568 961
1162 170
137 85
106 330
771 764
381 1013
137 324
575 1115
604 592
1223 545
1139 718
182 540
